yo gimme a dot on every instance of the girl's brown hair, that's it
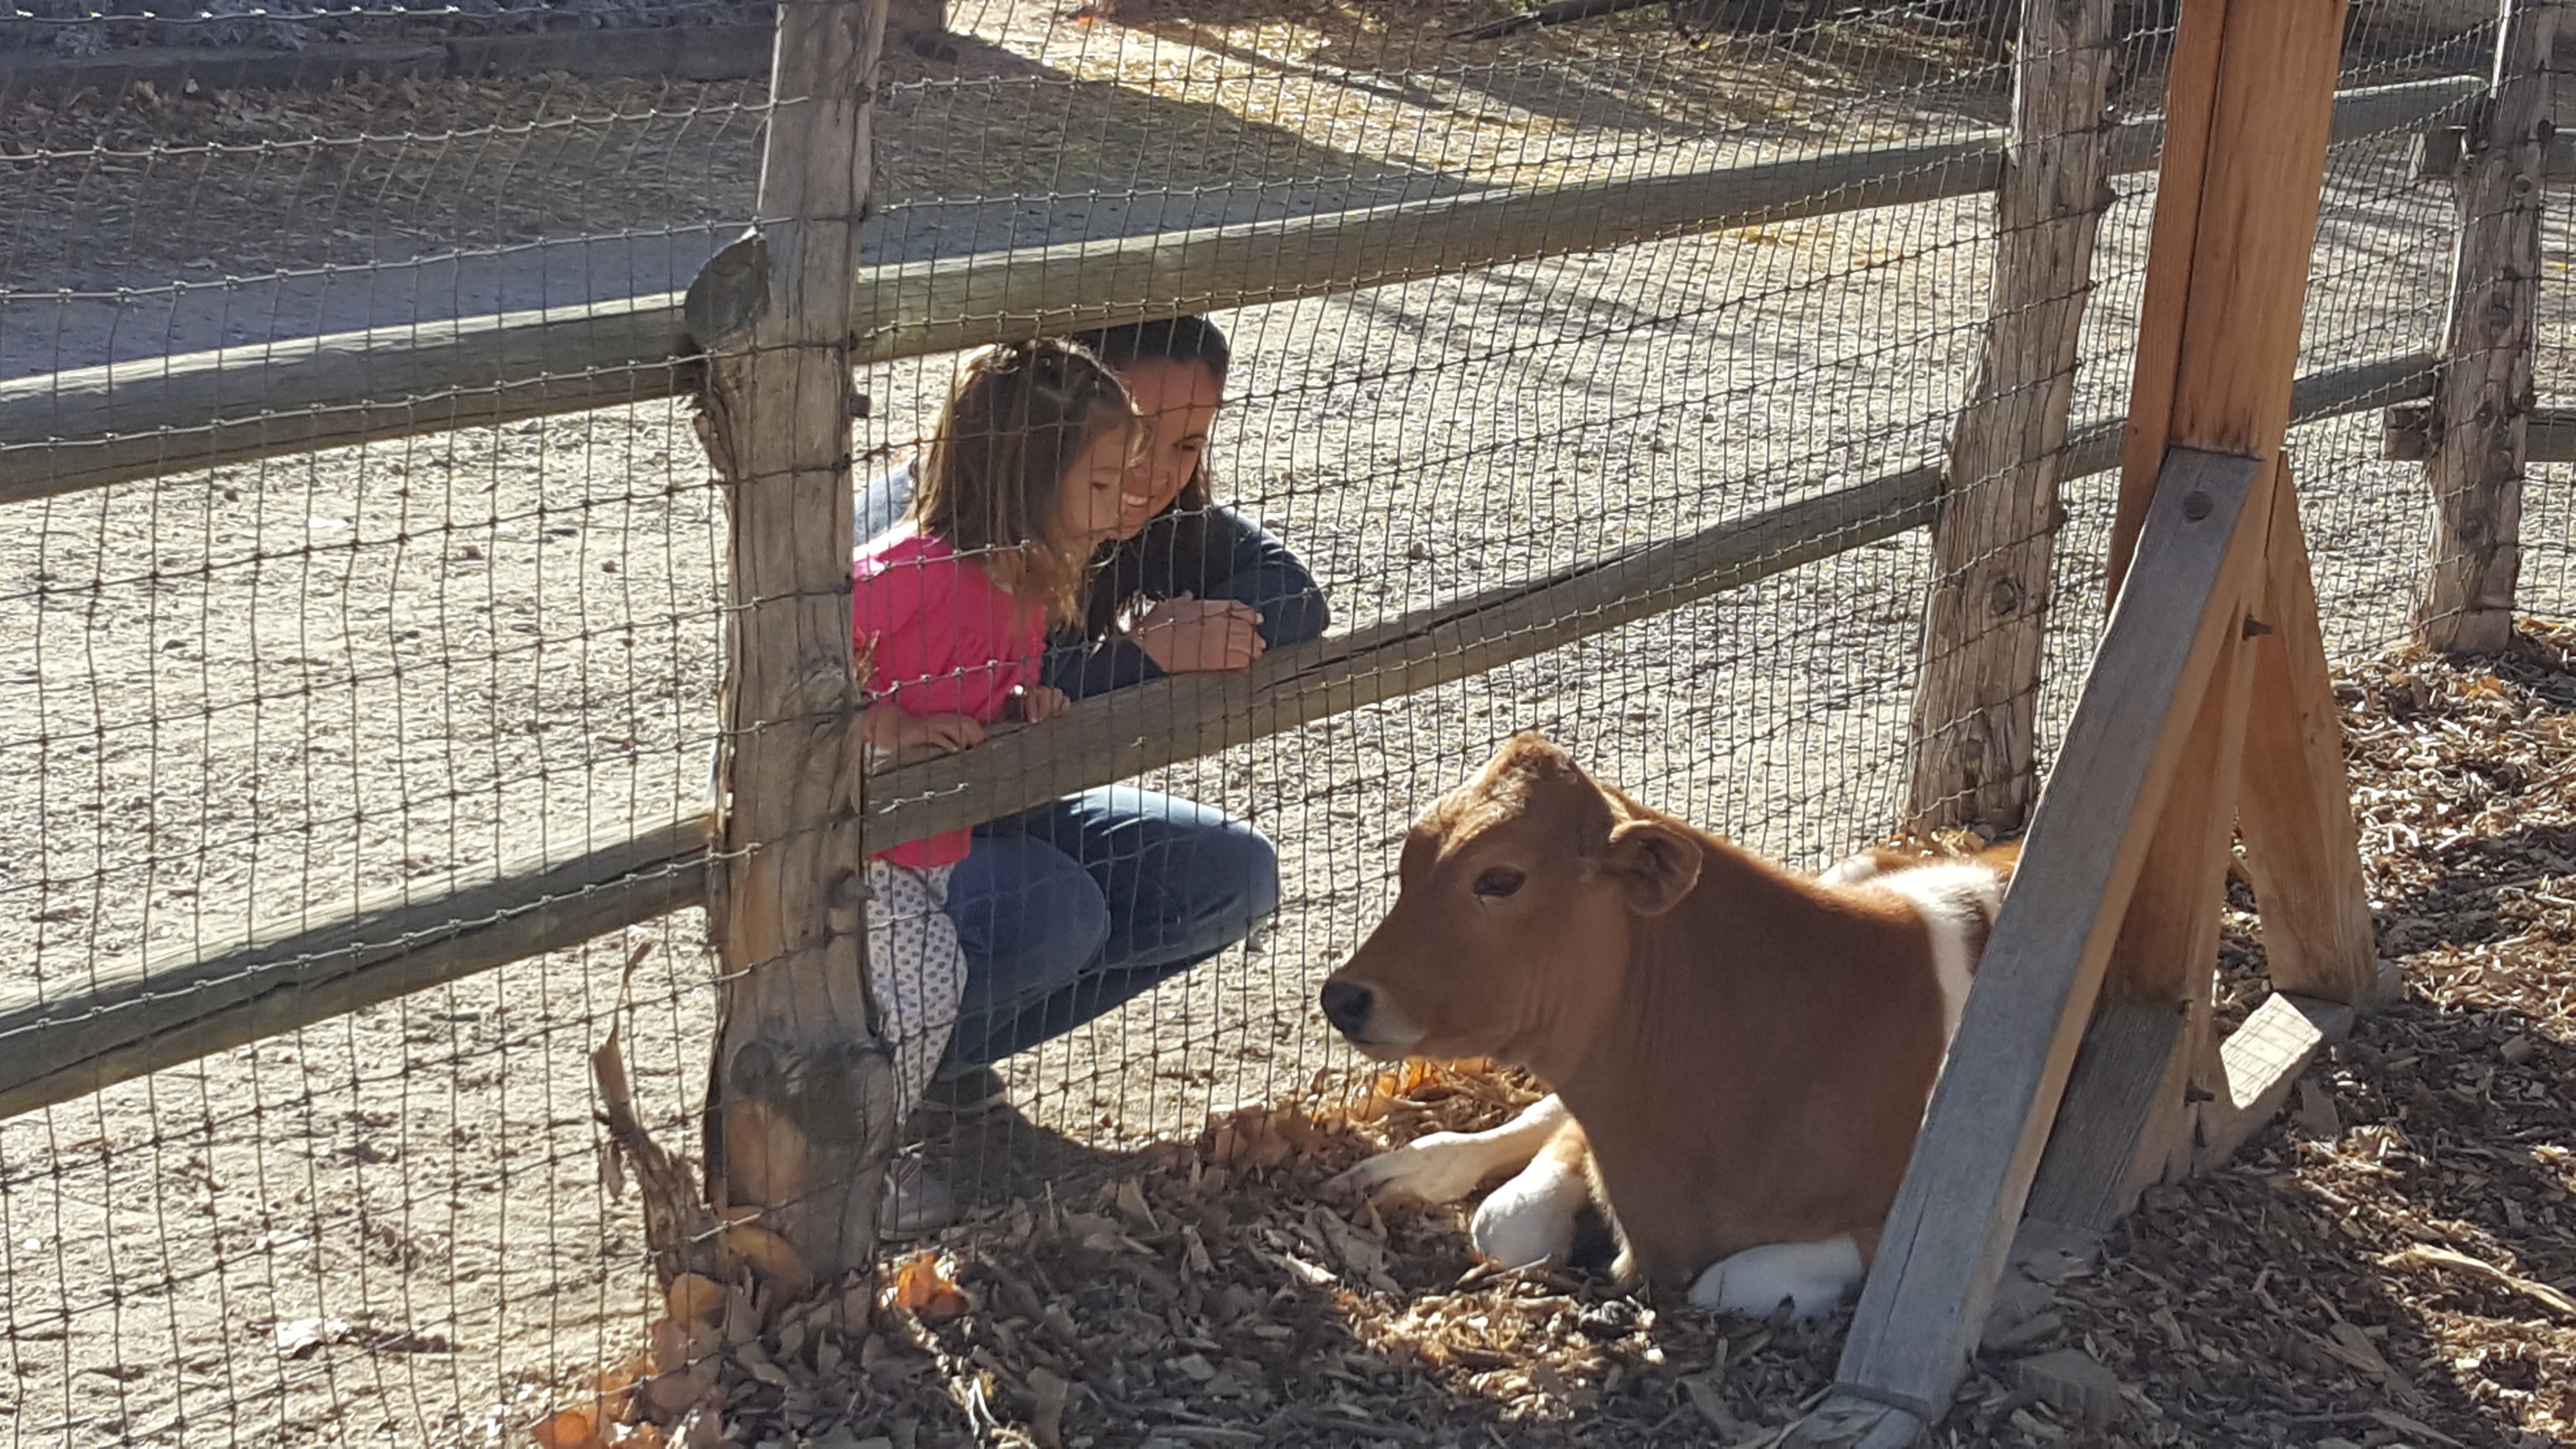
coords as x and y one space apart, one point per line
1017 418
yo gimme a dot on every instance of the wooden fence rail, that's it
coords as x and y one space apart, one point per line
90 427
160 1012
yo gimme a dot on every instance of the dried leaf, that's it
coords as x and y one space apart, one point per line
1129 1199
694 1298
1046 1420
922 1285
768 1255
570 1429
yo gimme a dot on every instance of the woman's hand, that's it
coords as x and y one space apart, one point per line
891 729
1184 635
1034 702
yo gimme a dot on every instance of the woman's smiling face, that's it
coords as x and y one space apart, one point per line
1179 401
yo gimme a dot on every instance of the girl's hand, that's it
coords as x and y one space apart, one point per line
1184 635
1038 701
891 729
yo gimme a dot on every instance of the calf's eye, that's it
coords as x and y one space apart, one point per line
1502 880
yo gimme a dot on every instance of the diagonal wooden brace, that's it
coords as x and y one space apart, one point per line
2154 1095
2199 557
2302 848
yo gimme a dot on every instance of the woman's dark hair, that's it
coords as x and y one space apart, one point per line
1166 339
1018 417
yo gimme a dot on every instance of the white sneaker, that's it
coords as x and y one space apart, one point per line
914 1203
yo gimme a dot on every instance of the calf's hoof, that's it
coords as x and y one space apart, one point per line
1441 1167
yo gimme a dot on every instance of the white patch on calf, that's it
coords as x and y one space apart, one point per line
1852 870
1530 1219
1958 901
1813 1278
1446 1166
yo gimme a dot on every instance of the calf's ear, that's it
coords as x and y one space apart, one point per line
1656 862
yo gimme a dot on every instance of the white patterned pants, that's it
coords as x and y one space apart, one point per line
916 968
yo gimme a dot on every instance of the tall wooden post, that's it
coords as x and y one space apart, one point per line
2117 898
1976 698
801 1100
2482 404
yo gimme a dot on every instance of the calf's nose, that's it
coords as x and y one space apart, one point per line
1347 1006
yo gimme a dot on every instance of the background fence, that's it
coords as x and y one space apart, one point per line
1643 464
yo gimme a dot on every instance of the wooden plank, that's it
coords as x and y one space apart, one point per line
2130 1072
2333 392
1946 1239
729 49
2191 100
2169 938
1976 694
177 1007
2125 1115
2250 106
1184 716
2440 154
99 425
2259 1063
2302 846
944 305
2406 434
2257 226
45 71
800 1101
2481 409
91 427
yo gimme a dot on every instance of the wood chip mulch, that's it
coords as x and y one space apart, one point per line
2391 1263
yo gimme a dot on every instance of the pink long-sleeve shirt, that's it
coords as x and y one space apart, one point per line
940 638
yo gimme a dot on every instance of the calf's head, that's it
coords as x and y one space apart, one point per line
1511 930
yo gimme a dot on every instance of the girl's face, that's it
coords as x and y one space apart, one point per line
1180 400
1093 501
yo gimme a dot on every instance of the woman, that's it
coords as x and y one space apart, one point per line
1069 910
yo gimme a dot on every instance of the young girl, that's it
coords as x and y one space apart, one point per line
950 612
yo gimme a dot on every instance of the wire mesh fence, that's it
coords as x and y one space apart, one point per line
1652 482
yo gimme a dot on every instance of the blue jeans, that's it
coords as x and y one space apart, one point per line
1071 909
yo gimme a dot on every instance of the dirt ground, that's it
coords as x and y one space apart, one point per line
269 689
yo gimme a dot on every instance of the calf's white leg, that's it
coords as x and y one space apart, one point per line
1446 1166
1813 1277
1530 1219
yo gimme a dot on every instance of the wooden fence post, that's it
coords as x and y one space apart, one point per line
1976 697
800 1097
2482 406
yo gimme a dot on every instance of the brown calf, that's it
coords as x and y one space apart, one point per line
1747 1050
